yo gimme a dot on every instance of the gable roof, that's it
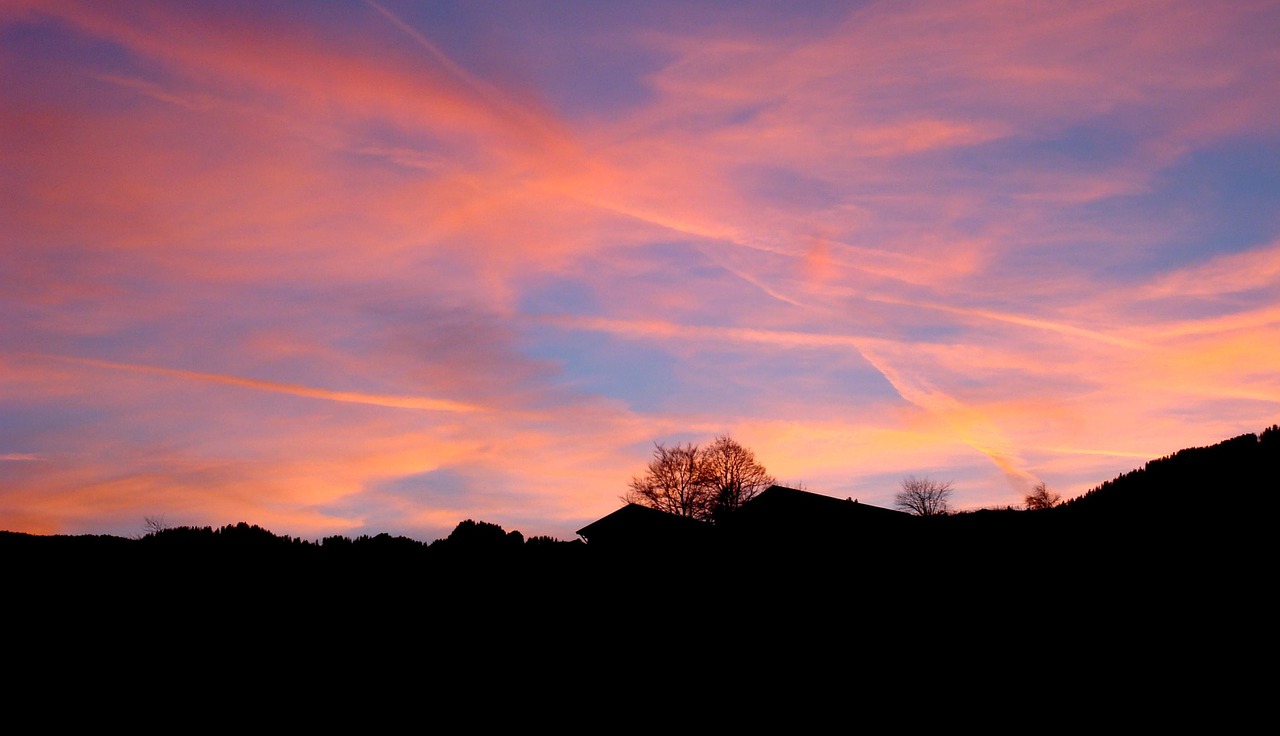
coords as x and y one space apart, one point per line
636 523
793 503
781 512
777 513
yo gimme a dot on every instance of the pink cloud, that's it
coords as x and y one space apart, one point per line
895 243
1222 275
356 397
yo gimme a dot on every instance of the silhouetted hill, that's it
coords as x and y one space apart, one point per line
1227 479
1193 492
1181 527
1184 514
1135 578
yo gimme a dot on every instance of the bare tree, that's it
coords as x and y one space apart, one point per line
700 482
1041 498
154 525
676 481
924 497
735 475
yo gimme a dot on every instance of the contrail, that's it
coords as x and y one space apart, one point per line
1103 453
659 328
353 397
970 425
492 96
440 57
1039 324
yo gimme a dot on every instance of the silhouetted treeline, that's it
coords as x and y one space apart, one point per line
247 560
1174 517
1147 572
469 538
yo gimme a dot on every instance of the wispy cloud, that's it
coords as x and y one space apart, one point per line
355 397
445 262
1221 275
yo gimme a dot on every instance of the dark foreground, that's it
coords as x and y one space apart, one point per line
1148 598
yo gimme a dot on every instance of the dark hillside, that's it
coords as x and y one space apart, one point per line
1234 477
1182 523
1137 577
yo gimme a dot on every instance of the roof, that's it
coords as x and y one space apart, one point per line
634 522
778 513
779 510
792 502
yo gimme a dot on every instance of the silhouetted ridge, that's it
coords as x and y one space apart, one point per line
1220 480
1174 516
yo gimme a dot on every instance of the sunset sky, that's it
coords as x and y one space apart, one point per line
353 267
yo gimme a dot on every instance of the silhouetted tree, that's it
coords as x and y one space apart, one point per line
1041 497
482 536
154 524
700 482
735 475
924 497
676 481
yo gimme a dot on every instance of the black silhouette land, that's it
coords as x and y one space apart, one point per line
1150 568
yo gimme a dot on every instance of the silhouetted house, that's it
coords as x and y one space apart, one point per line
634 525
790 515
778 515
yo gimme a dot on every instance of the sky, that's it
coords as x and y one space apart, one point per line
355 267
